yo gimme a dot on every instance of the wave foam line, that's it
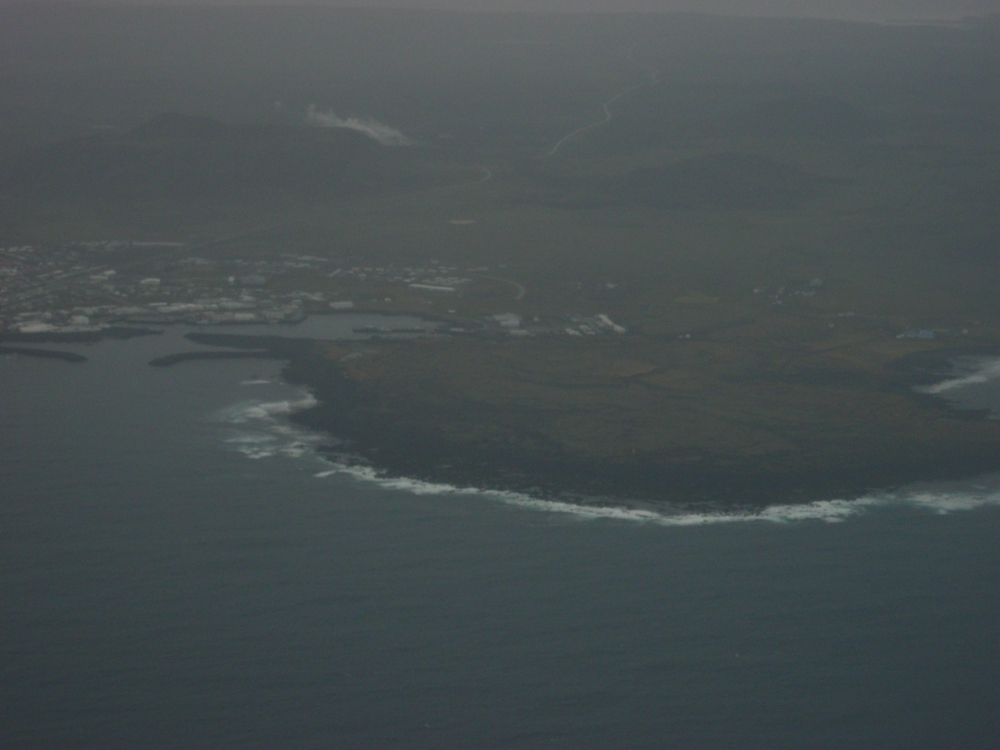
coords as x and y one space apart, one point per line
288 443
260 432
942 500
246 411
271 436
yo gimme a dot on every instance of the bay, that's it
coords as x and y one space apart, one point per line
182 569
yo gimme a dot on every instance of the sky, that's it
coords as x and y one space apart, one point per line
880 10
867 10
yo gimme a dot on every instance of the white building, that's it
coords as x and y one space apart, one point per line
508 320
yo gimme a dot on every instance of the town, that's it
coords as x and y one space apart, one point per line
86 286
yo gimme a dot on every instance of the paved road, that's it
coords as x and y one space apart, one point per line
653 76
603 121
519 290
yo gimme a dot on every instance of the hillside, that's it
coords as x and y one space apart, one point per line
184 162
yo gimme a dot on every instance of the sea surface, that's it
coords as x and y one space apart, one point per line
182 569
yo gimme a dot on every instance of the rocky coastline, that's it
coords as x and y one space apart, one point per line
416 440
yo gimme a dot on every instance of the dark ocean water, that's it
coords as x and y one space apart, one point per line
176 575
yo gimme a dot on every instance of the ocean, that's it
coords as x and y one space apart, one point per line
183 568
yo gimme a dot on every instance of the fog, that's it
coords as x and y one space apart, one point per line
72 68
871 10
875 10
323 328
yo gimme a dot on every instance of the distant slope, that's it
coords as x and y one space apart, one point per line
184 160
820 118
722 181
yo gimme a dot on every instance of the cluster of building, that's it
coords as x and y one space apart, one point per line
572 325
22 267
213 310
86 286
784 292
83 285
592 326
89 285
436 278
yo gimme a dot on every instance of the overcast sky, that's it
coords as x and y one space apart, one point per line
859 9
870 10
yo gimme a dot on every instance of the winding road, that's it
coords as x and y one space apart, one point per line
603 121
653 76
519 290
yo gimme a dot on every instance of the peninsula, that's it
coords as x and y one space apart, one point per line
711 283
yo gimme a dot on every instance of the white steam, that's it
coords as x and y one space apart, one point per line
384 134
983 372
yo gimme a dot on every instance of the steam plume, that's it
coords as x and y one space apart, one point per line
384 134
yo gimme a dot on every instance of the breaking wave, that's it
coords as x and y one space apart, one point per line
259 430
941 498
247 411
384 134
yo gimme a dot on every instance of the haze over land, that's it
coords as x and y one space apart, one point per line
670 255
404 377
